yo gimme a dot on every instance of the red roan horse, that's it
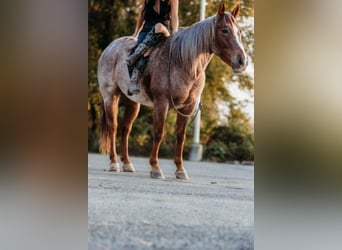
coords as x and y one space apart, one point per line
174 78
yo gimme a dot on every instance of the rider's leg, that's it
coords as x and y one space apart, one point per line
158 32
136 73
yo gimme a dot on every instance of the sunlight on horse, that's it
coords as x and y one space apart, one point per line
174 78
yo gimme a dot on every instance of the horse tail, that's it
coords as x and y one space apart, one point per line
104 140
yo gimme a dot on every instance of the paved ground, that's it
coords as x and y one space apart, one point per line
214 209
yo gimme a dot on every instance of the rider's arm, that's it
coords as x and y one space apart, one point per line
140 20
174 15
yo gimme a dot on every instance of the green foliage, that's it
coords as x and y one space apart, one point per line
110 19
216 152
232 142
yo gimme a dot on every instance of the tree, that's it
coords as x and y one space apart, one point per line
231 142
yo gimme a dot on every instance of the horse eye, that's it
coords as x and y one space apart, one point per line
225 30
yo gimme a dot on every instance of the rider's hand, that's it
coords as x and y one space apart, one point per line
133 37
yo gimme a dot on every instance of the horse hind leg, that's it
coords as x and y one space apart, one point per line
131 113
109 130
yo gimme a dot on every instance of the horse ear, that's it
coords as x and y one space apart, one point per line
235 11
222 8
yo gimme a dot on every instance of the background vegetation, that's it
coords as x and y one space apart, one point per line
230 137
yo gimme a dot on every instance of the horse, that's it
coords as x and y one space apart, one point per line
174 78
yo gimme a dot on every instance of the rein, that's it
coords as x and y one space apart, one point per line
172 101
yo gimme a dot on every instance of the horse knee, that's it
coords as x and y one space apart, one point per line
125 130
180 137
158 133
157 137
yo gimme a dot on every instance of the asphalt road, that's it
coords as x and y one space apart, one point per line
214 209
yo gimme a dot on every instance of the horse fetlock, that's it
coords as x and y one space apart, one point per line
154 163
179 162
124 158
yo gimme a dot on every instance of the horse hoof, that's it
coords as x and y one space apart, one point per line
128 167
156 174
114 167
182 175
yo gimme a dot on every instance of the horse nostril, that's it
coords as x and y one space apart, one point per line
241 61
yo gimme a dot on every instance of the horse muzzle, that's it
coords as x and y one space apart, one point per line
239 63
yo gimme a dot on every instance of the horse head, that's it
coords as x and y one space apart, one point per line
227 43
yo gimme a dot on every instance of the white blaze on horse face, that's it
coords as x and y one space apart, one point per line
237 38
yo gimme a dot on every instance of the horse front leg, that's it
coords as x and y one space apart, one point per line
182 122
131 113
159 116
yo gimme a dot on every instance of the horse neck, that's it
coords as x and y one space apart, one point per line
191 47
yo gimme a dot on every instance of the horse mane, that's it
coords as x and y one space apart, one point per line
191 41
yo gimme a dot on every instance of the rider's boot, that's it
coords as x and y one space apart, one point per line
136 73
150 40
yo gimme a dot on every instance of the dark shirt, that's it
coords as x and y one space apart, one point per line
151 17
